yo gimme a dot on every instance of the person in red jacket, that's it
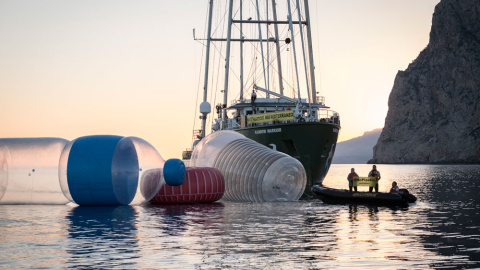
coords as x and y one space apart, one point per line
394 188
350 177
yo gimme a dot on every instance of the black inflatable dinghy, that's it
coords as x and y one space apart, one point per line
331 195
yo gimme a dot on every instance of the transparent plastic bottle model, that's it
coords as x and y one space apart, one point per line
29 171
108 169
252 171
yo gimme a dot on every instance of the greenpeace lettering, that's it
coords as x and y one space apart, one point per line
364 181
270 117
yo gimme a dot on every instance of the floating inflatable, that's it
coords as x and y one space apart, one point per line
174 172
201 185
342 196
90 170
107 170
252 172
29 171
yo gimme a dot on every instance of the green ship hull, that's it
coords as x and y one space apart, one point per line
312 143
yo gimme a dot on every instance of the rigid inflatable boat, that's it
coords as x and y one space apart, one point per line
342 196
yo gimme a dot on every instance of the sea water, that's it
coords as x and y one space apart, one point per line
440 231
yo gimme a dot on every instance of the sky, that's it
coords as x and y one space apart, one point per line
71 68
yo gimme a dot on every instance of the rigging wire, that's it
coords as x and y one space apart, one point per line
250 80
223 18
292 87
261 42
302 39
267 83
260 72
318 52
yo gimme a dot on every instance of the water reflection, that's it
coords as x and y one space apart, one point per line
441 230
31 236
102 237
174 219
182 235
455 216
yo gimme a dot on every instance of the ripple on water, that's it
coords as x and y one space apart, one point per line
441 230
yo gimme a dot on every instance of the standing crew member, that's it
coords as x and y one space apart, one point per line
254 96
350 180
376 174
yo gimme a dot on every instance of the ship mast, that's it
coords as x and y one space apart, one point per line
261 43
290 23
227 59
303 49
205 107
277 45
241 50
310 53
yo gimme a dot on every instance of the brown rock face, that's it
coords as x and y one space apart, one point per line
434 106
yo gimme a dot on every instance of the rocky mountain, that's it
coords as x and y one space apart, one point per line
434 106
358 150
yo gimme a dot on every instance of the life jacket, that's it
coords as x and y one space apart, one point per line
351 175
394 190
374 173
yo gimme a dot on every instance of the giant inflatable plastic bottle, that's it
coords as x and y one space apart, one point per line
90 170
107 170
252 172
200 185
29 171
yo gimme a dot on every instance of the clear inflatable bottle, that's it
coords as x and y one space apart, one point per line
29 171
252 172
108 169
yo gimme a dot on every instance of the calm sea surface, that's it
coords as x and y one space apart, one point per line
440 231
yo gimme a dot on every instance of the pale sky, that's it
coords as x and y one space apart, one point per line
131 68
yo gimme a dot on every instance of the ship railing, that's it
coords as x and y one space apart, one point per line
327 116
322 115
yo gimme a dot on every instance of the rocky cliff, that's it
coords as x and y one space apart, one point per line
434 106
358 150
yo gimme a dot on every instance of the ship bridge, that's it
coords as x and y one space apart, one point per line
273 111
